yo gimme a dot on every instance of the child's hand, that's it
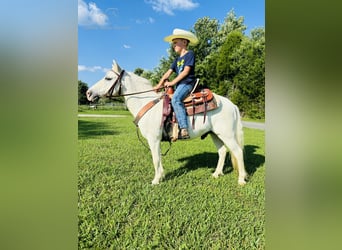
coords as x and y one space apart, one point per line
156 88
168 84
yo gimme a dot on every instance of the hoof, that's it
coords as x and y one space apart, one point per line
216 175
159 177
155 182
242 182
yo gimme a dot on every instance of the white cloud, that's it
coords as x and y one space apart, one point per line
168 6
91 69
90 14
126 46
112 11
149 20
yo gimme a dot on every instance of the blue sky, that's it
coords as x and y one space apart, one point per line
132 31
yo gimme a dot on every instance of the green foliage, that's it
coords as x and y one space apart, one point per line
164 65
138 71
232 23
147 74
227 61
82 89
235 66
206 30
120 209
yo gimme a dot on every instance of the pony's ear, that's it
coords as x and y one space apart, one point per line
116 68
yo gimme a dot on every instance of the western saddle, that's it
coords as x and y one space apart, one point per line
200 100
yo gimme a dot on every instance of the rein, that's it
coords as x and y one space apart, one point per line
140 92
144 144
118 80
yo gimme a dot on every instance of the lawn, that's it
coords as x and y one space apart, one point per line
120 209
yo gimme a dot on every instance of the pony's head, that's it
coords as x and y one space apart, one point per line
109 85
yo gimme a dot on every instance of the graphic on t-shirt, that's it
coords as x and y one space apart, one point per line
180 66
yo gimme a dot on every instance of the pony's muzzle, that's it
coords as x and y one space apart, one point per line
90 96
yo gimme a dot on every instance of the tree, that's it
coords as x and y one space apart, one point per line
138 71
227 62
211 38
206 31
164 65
247 88
82 90
231 23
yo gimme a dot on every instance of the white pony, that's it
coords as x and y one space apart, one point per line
223 123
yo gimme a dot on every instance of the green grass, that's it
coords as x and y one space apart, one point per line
120 209
253 120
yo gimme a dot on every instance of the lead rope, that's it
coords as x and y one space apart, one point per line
142 142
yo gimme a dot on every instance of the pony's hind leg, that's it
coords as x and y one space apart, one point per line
234 163
222 152
238 163
237 159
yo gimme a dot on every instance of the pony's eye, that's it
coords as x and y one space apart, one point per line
108 78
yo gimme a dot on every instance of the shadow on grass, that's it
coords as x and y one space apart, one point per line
209 160
253 161
91 129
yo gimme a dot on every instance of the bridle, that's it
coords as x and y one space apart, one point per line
118 80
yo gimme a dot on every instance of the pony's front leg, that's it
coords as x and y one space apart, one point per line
156 158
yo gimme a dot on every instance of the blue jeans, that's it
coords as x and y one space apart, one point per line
182 91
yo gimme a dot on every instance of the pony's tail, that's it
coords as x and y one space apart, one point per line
238 129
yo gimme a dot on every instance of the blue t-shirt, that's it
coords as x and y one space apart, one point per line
187 60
